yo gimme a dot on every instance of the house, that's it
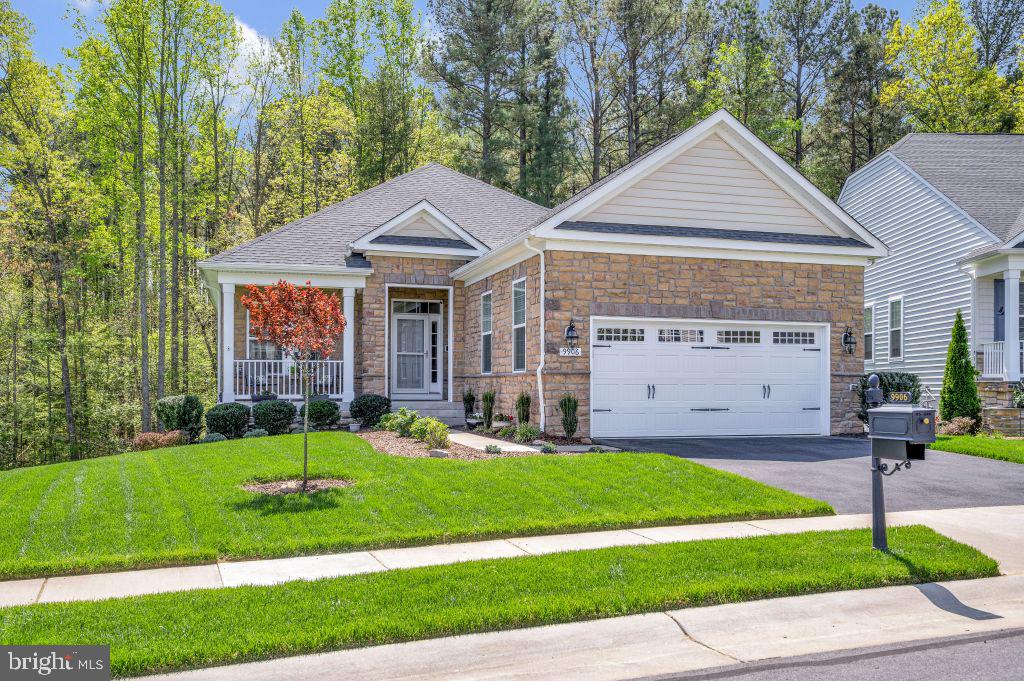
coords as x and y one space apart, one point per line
950 207
710 285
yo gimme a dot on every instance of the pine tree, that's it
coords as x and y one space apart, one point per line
959 396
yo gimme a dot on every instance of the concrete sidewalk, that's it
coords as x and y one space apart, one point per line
667 642
997 531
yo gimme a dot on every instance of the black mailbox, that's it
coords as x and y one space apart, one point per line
900 432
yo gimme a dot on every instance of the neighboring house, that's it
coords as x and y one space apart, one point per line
950 207
709 282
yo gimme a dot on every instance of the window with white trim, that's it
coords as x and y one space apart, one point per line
869 333
680 336
485 333
256 349
618 335
792 337
519 325
739 336
896 328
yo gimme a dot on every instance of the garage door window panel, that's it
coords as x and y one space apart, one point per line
739 336
620 335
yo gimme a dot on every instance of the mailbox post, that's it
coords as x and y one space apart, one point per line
899 432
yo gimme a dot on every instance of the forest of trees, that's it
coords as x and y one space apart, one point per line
171 132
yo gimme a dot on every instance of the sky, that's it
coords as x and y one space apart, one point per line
54 32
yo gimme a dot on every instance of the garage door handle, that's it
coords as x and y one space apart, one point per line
812 408
812 349
600 410
600 346
710 347
709 409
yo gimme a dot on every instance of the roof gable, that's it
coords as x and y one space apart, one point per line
420 229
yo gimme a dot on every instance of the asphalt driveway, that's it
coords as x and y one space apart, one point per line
837 470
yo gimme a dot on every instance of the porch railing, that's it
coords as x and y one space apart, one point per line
993 364
284 378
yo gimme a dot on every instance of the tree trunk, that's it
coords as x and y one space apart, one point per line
140 255
306 389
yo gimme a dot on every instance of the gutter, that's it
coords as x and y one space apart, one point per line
543 349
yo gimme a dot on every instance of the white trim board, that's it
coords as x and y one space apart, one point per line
426 210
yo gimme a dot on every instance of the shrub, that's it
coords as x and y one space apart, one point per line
174 438
526 433
888 381
214 437
959 396
492 449
229 419
488 400
507 431
181 412
1018 395
146 441
548 448
523 407
322 414
256 432
264 396
431 431
368 409
273 416
960 425
400 422
568 406
469 402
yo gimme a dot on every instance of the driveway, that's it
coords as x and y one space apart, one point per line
837 470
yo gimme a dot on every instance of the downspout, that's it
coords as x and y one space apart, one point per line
543 349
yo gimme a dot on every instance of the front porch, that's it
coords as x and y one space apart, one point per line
997 329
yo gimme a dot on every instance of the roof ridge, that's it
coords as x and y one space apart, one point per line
486 184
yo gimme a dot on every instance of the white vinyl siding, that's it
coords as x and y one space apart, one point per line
709 185
486 322
519 325
420 226
926 237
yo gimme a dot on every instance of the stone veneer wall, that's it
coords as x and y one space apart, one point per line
371 309
506 383
583 284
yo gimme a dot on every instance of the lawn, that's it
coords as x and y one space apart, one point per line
979 445
185 505
202 628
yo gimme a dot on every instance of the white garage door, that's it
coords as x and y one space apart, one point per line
658 378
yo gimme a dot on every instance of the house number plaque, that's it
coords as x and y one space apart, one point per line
570 352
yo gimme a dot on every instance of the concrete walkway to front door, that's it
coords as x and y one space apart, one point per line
996 531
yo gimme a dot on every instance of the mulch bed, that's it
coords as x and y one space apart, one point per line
389 443
282 487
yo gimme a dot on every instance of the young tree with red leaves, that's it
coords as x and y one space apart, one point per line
303 322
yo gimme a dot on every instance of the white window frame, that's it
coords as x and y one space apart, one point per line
515 326
489 333
900 328
869 344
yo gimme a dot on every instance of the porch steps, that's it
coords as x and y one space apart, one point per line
451 413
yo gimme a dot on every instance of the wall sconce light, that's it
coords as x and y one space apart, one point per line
572 336
849 341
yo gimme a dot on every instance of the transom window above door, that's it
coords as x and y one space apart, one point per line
415 307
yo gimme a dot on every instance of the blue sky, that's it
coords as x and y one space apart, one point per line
54 31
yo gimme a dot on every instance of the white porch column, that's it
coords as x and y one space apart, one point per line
1011 317
348 345
228 338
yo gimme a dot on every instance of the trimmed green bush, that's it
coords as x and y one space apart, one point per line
523 407
888 381
492 449
273 416
548 448
526 433
322 414
181 412
400 422
507 431
256 432
214 437
568 406
368 409
430 431
229 419
959 396
488 400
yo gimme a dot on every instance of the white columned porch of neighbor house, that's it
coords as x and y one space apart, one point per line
227 319
1011 321
348 345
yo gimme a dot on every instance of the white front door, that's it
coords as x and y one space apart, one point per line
659 378
416 354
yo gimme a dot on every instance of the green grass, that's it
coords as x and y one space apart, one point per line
203 628
979 445
185 505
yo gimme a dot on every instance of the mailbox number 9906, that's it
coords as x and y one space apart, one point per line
900 397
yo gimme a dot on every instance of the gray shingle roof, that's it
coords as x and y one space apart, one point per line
710 233
982 174
437 242
490 214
